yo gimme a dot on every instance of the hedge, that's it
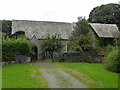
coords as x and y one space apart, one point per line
12 47
111 61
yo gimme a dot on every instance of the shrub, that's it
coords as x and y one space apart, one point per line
13 47
111 61
108 48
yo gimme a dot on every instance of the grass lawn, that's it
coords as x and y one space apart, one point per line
94 75
28 76
22 76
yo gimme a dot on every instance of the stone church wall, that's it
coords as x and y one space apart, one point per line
35 30
42 28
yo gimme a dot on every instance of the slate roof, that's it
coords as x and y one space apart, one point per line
105 30
42 28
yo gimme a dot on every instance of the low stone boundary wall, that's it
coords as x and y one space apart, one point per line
19 59
78 57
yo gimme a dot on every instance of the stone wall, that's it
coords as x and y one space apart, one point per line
42 28
35 30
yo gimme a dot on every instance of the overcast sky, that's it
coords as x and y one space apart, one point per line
48 10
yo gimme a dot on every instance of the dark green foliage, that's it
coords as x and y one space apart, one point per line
81 27
3 34
13 47
111 60
51 44
106 41
6 26
101 41
18 33
109 14
15 35
81 39
108 48
83 43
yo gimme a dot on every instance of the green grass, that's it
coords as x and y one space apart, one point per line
28 76
22 76
0 77
96 72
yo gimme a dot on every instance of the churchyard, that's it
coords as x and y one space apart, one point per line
40 54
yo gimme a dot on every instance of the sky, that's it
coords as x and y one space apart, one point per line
48 10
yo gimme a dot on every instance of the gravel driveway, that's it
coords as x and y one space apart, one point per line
57 78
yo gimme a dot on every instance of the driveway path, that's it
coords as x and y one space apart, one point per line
57 78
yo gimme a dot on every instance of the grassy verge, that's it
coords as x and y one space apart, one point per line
22 76
93 75
0 77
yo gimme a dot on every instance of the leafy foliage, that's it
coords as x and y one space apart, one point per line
18 33
81 38
108 48
81 27
106 41
51 44
6 26
83 43
15 35
109 14
12 47
111 61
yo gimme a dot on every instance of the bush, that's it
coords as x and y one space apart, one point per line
111 61
108 48
13 47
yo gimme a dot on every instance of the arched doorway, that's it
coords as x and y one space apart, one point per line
35 53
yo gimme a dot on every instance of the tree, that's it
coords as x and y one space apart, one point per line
6 26
83 43
81 27
51 44
15 35
108 14
81 38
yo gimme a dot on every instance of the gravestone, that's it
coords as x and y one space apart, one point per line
22 58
